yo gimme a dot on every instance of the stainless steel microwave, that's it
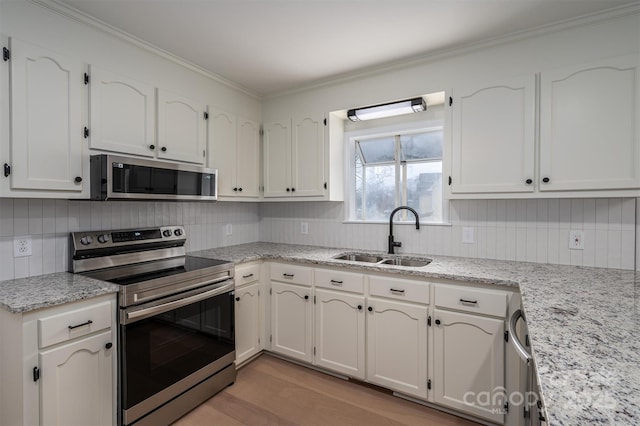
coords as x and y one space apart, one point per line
123 178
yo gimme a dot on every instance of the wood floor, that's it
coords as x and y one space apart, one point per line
270 391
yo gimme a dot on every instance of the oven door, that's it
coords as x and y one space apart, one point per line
171 345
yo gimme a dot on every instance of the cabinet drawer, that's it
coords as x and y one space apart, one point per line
247 274
290 273
476 300
395 288
338 280
69 325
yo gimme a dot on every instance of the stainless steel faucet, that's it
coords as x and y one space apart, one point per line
393 244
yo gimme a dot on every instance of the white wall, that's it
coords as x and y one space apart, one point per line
522 230
49 222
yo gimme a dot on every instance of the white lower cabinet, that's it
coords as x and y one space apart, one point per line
291 316
340 332
77 382
397 346
247 315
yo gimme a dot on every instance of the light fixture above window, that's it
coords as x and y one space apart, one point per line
387 110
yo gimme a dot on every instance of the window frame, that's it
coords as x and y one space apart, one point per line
386 131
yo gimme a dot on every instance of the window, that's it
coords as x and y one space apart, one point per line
394 169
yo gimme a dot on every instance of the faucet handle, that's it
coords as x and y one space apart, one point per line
397 243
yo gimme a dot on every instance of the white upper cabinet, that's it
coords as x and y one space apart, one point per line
493 144
46 120
122 114
234 149
181 128
294 157
589 126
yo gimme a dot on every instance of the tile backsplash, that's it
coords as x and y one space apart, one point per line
49 222
525 230
535 230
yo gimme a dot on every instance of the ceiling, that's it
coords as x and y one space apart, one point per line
270 46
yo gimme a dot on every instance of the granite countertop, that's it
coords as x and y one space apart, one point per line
584 324
28 294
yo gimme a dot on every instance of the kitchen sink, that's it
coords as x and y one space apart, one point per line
383 260
357 257
416 263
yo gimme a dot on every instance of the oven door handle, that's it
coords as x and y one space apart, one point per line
155 310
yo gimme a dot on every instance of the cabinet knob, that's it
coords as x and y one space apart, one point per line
359 307
529 181
237 299
546 180
370 309
306 297
152 147
437 322
108 345
163 149
78 179
235 189
240 189
288 190
293 189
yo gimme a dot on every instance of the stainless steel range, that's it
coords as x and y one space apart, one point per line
176 320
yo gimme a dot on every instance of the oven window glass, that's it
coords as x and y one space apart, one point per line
164 349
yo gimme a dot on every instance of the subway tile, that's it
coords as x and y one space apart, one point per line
614 249
542 213
21 267
35 217
6 258
601 248
602 213
577 213
62 216
36 258
20 217
6 217
542 244
589 252
627 249
589 217
615 214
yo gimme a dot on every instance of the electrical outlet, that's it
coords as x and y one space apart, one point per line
576 240
467 235
22 246
229 229
304 228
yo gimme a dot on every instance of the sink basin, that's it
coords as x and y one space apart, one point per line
360 257
416 263
382 260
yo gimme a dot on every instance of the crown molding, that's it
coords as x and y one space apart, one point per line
466 48
86 19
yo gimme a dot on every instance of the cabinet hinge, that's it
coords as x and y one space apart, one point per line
261 132
270 338
6 54
7 170
314 350
86 132
429 321
258 340
506 335
429 384
258 292
526 413
325 185
325 121
270 292
449 180
36 374
204 153
206 115
86 78
506 407
314 300
450 101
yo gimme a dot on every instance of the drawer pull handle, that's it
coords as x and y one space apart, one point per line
247 276
288 275
71 327
395 290
471 302
336 282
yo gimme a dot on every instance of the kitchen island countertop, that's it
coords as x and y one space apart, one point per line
584 323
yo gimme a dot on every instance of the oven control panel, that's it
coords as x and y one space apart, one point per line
105 239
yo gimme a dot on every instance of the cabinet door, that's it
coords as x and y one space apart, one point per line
339 325
122 114
222 150
46 123
277 159
397 346
469 363
77 382
248 158
247 314
181 128
307 150
589 126
291 317
493 137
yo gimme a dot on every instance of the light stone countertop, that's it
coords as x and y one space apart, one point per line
29 294
584 323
